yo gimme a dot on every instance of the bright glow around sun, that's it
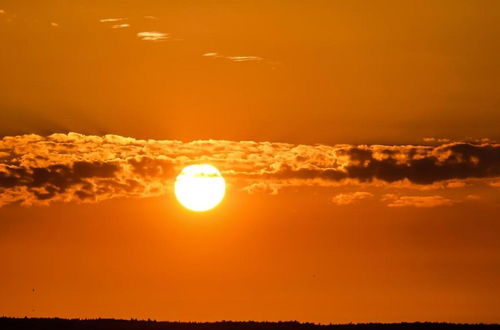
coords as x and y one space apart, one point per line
200 187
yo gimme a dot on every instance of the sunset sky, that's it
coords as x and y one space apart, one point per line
359 141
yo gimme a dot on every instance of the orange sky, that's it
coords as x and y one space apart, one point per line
311 229
332 71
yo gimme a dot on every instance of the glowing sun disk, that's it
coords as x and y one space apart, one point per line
200 187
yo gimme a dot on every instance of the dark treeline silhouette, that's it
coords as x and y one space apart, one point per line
97 324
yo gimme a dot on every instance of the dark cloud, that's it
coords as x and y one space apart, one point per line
457 165
74 167
45 183
418 164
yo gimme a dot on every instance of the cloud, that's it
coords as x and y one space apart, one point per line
152 36
54 24
263 187
495 184
244 58
120 26
351 198
473 197
74 167
456 184
110 20
235 58
416 201
436 140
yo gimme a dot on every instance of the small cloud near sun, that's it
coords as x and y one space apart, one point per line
263 187
152 36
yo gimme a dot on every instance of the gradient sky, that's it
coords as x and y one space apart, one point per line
367 188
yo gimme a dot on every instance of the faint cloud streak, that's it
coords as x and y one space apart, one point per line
235 58
152 36
417 201
111 20
120 26
351 198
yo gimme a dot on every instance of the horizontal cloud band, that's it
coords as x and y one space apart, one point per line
74 167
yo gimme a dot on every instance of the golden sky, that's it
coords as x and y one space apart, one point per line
358 139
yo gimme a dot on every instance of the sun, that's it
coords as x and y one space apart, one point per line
200 187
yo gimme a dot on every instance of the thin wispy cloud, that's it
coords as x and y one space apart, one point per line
351 198
152 36
261 187
435 140
111 20
2 11
235 58
244 58
120 26
417 201
74 167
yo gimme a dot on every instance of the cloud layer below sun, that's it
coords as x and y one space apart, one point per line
73 167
